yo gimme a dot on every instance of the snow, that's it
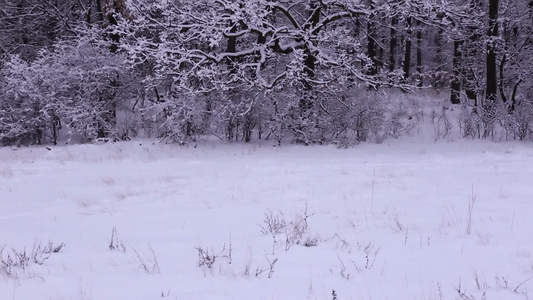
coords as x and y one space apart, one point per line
385 221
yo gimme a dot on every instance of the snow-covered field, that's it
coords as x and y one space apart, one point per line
138 220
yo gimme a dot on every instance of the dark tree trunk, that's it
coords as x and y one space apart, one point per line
261 39
470 84
232 48
471 57
310 61
307 101
501 81
310 58
115 41
393 44
492 83
455 86
89 11
56 126
233 121
99 10
118 7
407 57
420 78
513 95
371 49
358 25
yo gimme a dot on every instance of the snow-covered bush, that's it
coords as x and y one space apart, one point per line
24 112
78 83
518 122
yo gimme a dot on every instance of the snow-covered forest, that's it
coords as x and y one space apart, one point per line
308 71
415 182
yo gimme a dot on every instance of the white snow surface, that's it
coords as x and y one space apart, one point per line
400 220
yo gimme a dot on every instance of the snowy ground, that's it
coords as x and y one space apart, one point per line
400 220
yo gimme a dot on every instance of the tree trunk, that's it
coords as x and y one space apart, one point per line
89 11
407 57
112 19
393 44
232 48
99 10
56 126
470 84
307 101
471 57
371 43
501 81
232 94
358 25
420 78
310 58
455 86
492 84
